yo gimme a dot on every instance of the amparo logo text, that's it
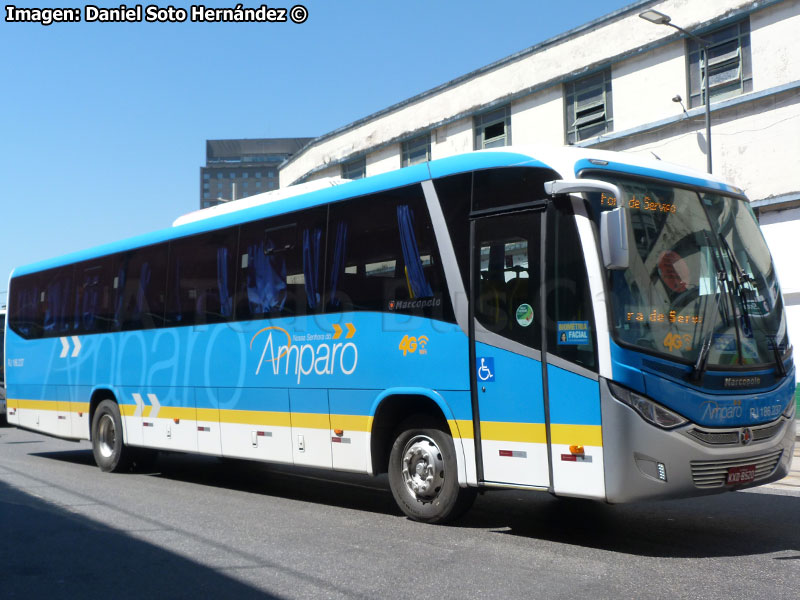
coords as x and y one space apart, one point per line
303 359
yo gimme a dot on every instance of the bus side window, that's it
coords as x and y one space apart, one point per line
382 256
454 194
24 316
141 280
56 303
94 298
280 266
570 318
201 278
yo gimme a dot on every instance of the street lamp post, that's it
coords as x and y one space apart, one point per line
659 18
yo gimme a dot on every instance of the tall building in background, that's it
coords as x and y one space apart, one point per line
240 168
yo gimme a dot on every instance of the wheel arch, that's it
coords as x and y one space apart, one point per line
393 406
98 395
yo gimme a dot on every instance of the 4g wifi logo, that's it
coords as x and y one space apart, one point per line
410 344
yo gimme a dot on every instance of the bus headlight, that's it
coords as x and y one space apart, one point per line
650 411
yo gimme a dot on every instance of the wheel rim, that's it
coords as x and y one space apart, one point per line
106 435
423 468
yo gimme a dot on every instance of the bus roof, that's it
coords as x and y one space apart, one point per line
567 161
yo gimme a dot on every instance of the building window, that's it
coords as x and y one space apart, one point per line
416 150
219 175
206 195
588 106
233 175
493 129
270 173
729 66
205 175
205 186
355 169
258 174
258 184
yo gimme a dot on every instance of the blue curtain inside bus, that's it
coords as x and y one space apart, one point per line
339 257
420 288
266 278
176 299
119 285
311 251
141 293
225 297
56 301
26 299
87 299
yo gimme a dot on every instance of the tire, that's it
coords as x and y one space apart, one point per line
423 474
109 449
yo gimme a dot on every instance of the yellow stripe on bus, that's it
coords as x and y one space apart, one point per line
583 435
57 405
534 433
578 435
255 417
351 423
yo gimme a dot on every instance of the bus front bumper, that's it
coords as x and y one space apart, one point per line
645 462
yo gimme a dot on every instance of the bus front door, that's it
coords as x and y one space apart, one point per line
509 415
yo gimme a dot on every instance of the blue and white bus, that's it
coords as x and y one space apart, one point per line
579 322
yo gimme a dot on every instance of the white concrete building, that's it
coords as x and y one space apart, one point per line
620 83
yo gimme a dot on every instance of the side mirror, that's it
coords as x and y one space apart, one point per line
613 223
578 186
614 239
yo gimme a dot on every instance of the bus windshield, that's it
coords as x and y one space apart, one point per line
699 274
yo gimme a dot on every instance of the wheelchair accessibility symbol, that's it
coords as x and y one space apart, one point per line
486 368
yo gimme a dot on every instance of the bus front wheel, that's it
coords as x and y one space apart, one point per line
110 452
423 474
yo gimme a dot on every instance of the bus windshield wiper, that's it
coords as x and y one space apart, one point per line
721 282
699 367
741 277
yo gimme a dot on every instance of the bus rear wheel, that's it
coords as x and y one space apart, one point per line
110 452
423 474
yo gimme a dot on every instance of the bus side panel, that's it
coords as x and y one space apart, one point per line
37 381
512 419
575 423
254 423
79 396
311 427
351 424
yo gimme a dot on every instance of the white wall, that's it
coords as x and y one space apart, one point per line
453 138
591 48
386 159
754 147
643 86
782 232
539 118
774 45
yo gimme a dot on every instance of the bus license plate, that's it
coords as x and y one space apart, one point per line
738 475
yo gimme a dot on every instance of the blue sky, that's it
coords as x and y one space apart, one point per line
103 126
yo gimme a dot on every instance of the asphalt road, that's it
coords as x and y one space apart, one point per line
197 527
